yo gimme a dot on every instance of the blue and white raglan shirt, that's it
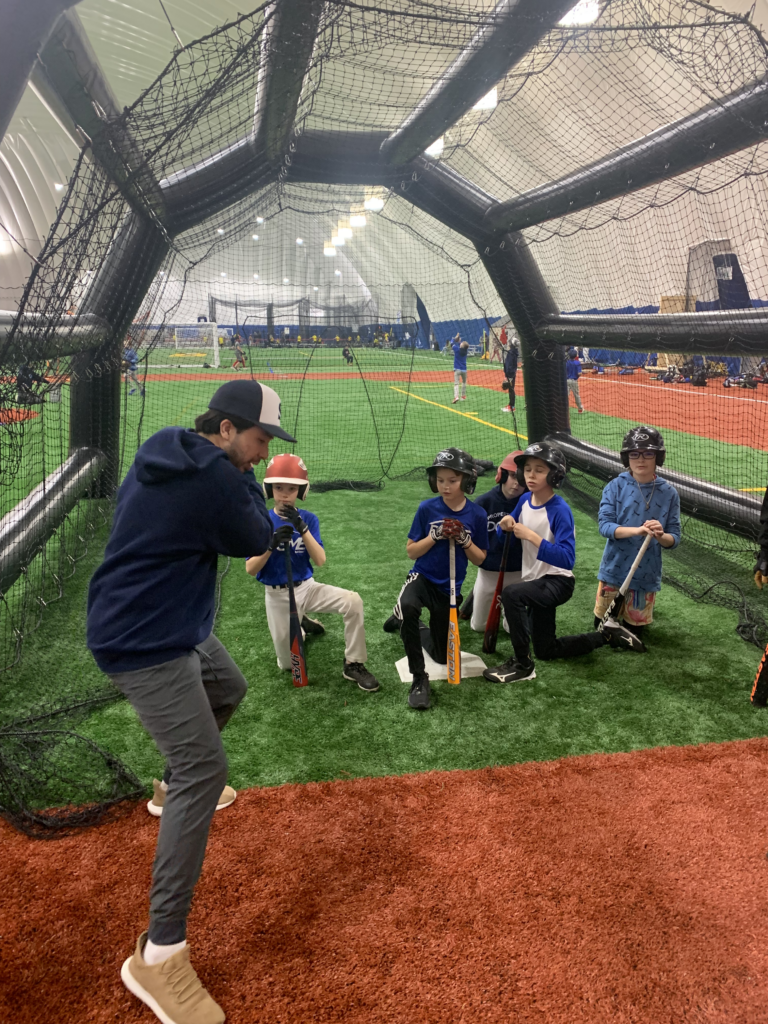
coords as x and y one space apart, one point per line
129 355
553 521
496 507
273 574
623 504
459 356
434 565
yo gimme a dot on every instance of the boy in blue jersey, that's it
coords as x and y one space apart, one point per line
287 480
449 516
460 349
635 504
572 373
131 367
500 501
543 525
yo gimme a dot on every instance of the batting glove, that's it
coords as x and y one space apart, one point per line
291 513
282 535
436 531
455 530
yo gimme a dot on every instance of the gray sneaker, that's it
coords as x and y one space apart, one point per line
418 698
356 672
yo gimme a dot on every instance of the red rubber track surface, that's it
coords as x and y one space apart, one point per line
613 889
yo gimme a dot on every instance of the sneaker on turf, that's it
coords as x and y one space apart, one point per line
455 401
156 804
312 626
418 697
356 672
393 624
172 989
511 671
622 638
505 408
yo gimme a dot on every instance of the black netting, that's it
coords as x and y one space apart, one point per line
243 200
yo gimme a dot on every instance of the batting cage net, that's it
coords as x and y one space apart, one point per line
272 207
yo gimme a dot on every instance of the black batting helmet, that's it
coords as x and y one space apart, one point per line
460 462
643 439
548 453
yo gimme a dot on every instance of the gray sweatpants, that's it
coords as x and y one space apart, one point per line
184 704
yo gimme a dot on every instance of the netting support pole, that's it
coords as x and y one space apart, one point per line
25 27
126 276
527 299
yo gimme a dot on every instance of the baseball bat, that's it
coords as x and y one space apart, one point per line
494 613
454 641
298 658
615 606
759 696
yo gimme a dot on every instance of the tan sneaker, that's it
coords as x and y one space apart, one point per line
155 805
171 990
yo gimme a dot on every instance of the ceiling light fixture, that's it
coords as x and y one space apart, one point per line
59 187
315 289
337 273
285 280
255 238
337 240
259 220
299 241
584 13
436 148
219 231
345 233
357 220
222 274
329 250
489 101
374 204
255 277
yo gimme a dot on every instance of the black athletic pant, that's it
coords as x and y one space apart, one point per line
511 382
419 593
539 599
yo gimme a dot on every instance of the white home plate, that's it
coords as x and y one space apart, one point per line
471 666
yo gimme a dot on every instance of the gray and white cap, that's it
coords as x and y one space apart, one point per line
251 401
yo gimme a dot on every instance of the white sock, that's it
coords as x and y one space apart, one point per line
153 954
456 391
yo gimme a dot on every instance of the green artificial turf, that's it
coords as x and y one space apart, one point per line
692 687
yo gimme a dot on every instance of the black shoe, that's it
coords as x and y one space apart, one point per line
418 697
393 624
512 671
312 626
621 638
356 672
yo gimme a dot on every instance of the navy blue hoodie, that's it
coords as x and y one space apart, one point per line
182 504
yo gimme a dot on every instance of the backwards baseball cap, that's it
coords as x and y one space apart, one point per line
253 402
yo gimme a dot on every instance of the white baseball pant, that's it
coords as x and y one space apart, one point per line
312 596
482 595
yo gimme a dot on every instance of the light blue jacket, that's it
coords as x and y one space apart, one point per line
622 505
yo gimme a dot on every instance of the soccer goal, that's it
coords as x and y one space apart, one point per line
189 345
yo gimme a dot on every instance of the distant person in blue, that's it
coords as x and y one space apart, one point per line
543 526
131 366
510 375
189 497
634 504
500 501
287 481
451 515
460 349
572 373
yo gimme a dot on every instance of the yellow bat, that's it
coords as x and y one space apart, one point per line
454 641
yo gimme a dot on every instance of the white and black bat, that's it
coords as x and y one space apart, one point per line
454 640
298 658
614 608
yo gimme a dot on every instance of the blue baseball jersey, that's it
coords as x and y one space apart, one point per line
273 574
435 564
573 370
459 356
129 355
496 506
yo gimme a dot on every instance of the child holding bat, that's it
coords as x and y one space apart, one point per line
635 504
500 501
287 481
543 525
438 520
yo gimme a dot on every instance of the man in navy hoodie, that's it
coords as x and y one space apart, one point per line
189 497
